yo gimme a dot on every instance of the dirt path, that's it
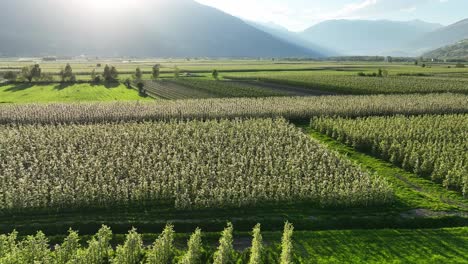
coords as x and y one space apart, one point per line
420 189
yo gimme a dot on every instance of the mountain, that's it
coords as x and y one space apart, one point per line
163 28
457 51
367 37
290 37
441 37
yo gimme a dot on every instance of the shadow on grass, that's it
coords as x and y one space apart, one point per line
374 246
110 85
58 86
62 86
20 87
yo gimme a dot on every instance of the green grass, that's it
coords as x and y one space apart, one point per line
411 191
447 245
431 146
383 246
27 93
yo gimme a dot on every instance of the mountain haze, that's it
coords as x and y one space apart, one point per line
441 37
367 37
164 28
456 51
291 37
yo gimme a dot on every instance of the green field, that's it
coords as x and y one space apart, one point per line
27 93
230 65
447 245
262 78
430 146
350 83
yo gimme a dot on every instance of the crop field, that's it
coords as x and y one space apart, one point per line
192 88
367 169
353 84
294 108
177 163
171 90
252 78
229 89
168 65
431 146
47 93
230 65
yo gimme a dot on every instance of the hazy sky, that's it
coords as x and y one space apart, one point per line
299 14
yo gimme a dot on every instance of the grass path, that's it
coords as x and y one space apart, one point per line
410 190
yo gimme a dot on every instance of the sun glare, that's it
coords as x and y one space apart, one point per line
100 5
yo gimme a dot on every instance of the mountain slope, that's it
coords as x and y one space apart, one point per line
366 37
441 37
291 37
457 51
164 28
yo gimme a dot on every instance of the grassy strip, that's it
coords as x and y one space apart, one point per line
383 246
89 224
446 245
411 190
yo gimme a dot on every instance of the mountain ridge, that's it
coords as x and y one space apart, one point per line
171 28
367 37
441 37
457 51
291 37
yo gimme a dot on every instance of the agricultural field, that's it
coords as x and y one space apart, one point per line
47 93
197 88
366 169
260 78
170 90
229 89
177 163
354 84
430 146
292 108
242 65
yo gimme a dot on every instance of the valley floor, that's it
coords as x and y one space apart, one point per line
424 222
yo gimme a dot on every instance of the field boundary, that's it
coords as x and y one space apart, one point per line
422 193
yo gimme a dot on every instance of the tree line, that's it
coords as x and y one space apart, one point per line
37 249
34 73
